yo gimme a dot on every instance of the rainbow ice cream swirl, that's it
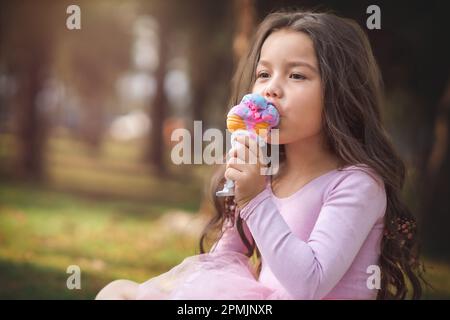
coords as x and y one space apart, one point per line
253 113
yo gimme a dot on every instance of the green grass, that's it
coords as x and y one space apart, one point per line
103 213
438 276
43 232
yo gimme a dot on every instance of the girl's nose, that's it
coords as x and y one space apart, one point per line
272 90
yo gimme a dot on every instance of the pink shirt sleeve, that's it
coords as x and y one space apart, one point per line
311 269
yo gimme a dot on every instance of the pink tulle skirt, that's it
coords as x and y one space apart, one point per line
209 276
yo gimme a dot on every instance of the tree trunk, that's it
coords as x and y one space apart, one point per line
245 12
155 154
436 185
30 123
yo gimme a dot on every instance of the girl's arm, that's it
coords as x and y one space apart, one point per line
311 269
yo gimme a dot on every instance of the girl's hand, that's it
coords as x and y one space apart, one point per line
244 168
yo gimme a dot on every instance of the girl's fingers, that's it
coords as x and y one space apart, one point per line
246 154
240 166
248 142
241 152
236 163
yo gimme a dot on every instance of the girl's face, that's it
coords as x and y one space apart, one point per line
287 75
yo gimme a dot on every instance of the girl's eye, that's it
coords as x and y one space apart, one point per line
263 74
298 76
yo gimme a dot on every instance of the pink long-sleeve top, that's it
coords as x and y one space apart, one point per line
319 242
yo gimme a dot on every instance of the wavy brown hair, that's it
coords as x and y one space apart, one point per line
352 89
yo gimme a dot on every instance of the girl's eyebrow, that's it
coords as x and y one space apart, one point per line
291 64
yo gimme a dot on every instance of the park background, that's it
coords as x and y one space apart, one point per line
86 117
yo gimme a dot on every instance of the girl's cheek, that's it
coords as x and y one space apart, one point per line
256 88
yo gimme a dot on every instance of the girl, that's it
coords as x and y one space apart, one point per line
330 224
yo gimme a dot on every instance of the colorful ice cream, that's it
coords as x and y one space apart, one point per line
256 116
253 113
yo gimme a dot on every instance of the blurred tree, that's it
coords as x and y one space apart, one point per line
245 13
204 24
211 61
436 185
28 38
90 61
155 153
210 58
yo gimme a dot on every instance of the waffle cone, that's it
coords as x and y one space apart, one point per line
262 128
235 122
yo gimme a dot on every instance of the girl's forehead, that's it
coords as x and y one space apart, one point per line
288 45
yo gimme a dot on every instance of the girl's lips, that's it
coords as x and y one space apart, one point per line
275 105
272 103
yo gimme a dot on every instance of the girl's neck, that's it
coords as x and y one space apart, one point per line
309 157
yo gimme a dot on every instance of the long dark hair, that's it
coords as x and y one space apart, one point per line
352 88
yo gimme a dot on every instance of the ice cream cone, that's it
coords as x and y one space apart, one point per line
262 128
235 122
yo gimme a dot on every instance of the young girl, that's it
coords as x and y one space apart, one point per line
330 224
